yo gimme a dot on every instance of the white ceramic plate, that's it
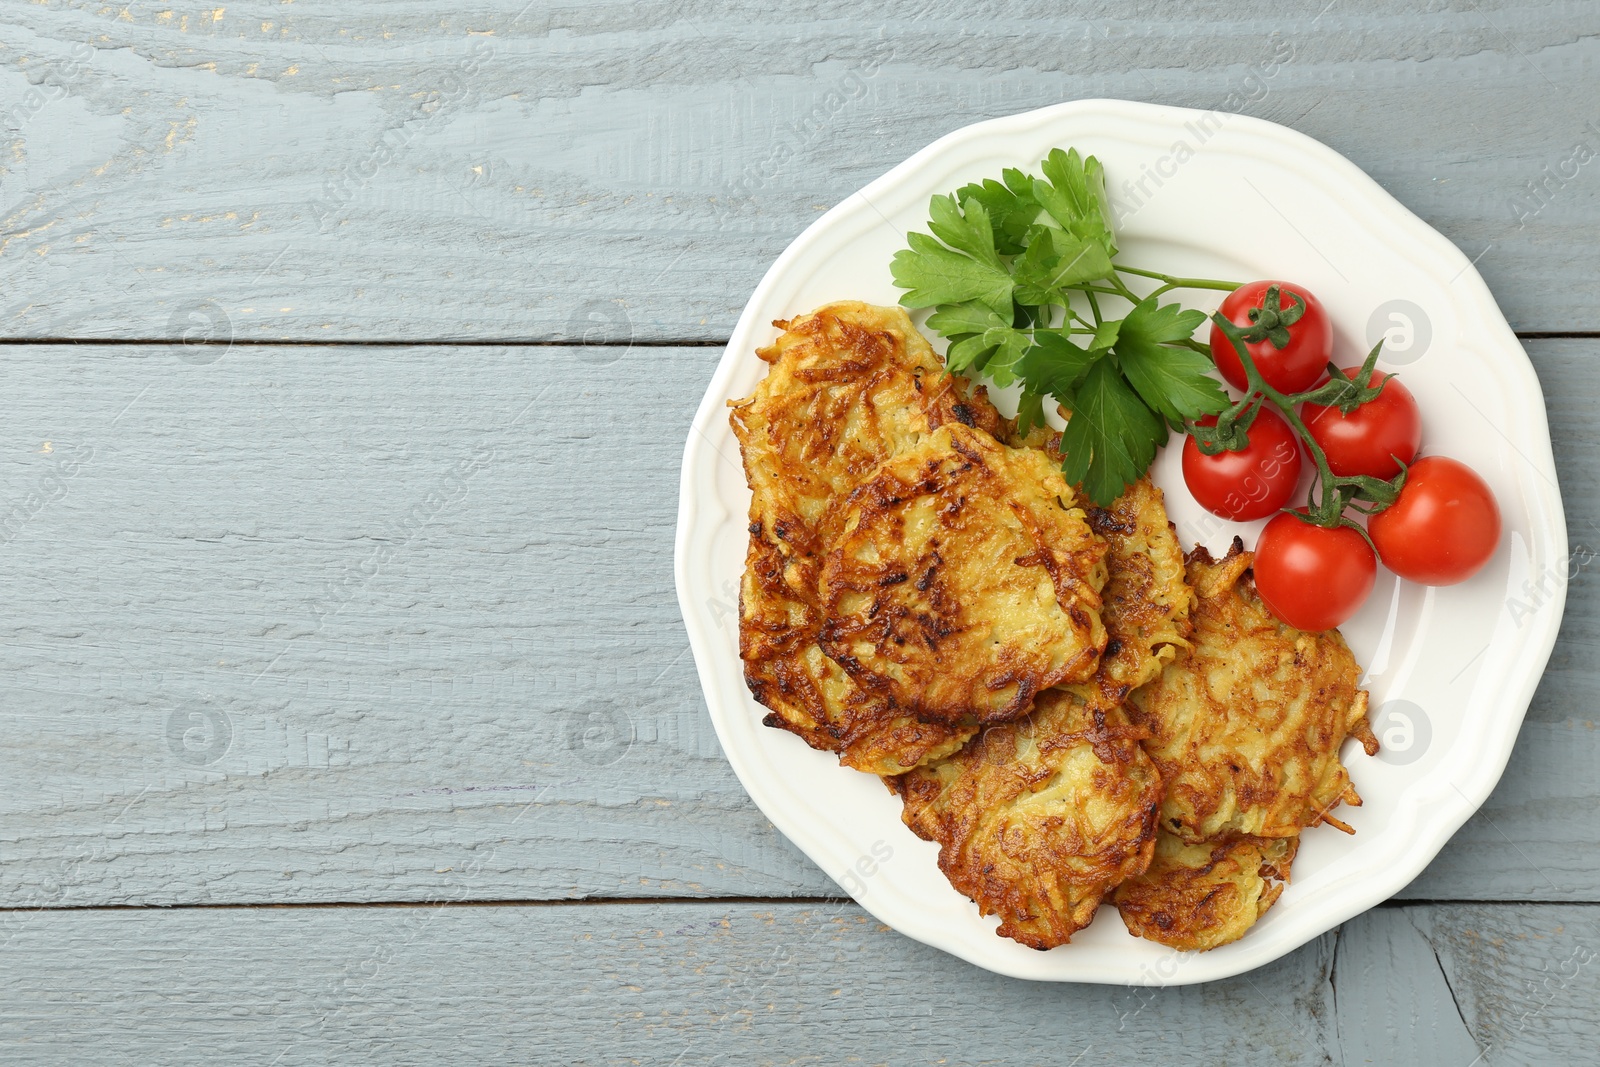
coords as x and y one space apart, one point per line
1450 670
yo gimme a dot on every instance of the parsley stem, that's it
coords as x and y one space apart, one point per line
1094 306
1179 283
1123 291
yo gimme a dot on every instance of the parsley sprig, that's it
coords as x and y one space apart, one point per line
1021 273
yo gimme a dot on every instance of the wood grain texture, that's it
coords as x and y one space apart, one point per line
321 613
334 624
1394 997
711 983
371 624
610 170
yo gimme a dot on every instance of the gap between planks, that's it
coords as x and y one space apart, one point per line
726 901
254 342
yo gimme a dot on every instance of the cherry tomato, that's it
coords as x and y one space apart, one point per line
1370 438
1249 484
1313 577
1444 527
1299 363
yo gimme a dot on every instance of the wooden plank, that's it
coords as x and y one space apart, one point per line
1395 1001
334 624
656 983
1524 979
327 621
1470 984
625 170
684 983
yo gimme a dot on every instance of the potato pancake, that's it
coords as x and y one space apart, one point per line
962 579
1070 708
1200 896
1036 820
1146 601
1246 728
850 386
810 695
1146 612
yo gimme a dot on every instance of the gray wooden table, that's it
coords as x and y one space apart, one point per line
349 352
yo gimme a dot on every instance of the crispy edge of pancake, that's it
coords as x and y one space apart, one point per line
1036 820
857 359
1219 779
808 694
966 401
963 580
1198 896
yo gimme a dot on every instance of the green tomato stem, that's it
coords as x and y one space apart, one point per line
1327 483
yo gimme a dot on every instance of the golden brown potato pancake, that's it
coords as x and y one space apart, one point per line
1146 612
962 580
1200 896
850 385
1246 728
1146 600
1037 819
810 695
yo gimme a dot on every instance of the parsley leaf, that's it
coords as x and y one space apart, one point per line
1073 192
1155 323
1030 411
1105 335
967 353
979 339
935 274
1052 263
966 228
1009 346
1173 381
1111 437
1014 270
1011 207
1054 365
953 319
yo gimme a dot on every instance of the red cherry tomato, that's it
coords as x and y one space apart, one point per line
1444 527
1249 484
1313 577
1299 363
1368 440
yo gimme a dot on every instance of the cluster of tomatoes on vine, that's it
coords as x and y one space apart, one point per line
1431 520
